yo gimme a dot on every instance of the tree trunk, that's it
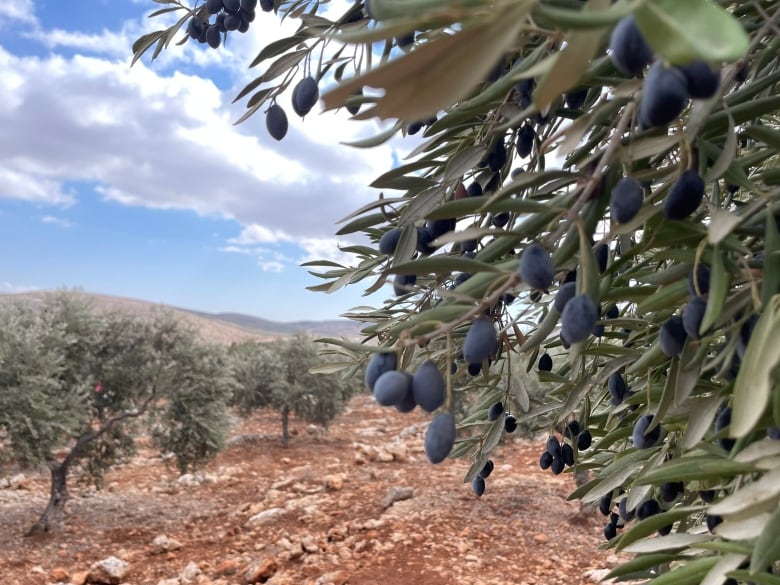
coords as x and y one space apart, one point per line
58 497
285 425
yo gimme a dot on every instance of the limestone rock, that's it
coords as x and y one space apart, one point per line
334 482
396 494
109 571
333 578
162 544
190 574
264 516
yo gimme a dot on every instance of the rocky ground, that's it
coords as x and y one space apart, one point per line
357 505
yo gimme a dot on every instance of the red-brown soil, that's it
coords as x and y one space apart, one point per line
330 525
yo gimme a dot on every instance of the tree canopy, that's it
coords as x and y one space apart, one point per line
76 386
597 182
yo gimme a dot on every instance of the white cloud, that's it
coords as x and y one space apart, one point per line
258 234
271 265
17 10
60 221
325 249
158 141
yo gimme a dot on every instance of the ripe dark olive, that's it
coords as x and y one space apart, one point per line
536 267
575 99
545 460
685 196
628 50
557 466
487 469
390 388
232 21
702 274
565 293
572 429
669 491
213 36
664 96
553 446
626 200
378 365
578 318
496 409
567 454
474 189
642 440
510 423
389 241
439 227
481 341
525 141
708 496
584 440
440 437
545 363
213 6
601 252
404 283
702 79
305 95
407 403
478 485
605 504
648 508
276 122
692 316
428 386
712 521
610 531
672 336
617 388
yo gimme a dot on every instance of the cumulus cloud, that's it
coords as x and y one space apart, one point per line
159 141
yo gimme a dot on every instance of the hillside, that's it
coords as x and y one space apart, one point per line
217 328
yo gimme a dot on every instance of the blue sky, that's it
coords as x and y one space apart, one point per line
134 181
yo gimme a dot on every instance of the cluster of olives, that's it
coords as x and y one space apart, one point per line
229 15
305 95
557 455
425 388
666 90
478 484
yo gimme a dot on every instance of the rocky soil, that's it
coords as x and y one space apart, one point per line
357 505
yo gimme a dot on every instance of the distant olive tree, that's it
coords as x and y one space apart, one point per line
76 386
279 375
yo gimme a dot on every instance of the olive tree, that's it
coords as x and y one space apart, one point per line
597 181
76 387
283 376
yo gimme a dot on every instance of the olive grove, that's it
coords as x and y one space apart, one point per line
598 183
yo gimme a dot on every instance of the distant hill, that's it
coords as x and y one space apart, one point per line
217 328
